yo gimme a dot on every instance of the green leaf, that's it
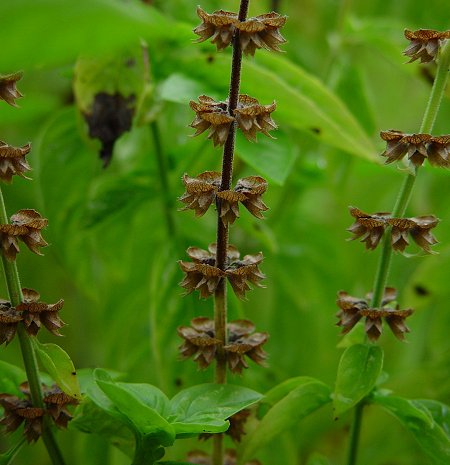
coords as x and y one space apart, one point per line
439 411
59 366
8 457
144 420
358 371
317 459
307 397
58 23
272 159
90 418
281 390
417 419
204 408
10 378
178 88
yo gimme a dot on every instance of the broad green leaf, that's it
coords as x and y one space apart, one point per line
10 378
90 418
305 103
281 390
179 88
318 459
273 159
59 366
204 408
144 420
417 419
358 371
299 403
106 26
439 411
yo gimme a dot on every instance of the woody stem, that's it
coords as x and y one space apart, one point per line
220 296
12 279
404 195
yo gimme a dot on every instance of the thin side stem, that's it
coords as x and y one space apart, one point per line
12 279
355 433
220 299
401 204
163 178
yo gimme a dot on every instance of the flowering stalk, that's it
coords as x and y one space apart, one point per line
378 298
28 354
401 204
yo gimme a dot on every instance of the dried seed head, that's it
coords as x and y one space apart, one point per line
253 187
229 205
202 274
262 31
200 191
8 89
56 402
211 115
369 228
219 26
200 342
13 162
352 309
9 318
37 313
242 272
400 144
252 117
425 44
18 411
438 151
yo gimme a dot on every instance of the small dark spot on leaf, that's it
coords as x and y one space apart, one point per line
178 382
421 290
316 130
74 373
210 59
111 116
130 62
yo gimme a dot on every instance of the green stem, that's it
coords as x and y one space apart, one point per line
401 204
28 354
163 178
354 434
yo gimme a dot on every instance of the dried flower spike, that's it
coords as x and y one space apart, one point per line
425 44
418 227
201 343
369 228
219 26
12 161
37 313
18 411
211 115
262 31
9 318
56 402
352 309
253 187
26 225
438 151
8 89
252 117
202 274
200 191
400 144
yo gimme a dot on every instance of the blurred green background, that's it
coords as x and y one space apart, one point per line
116 235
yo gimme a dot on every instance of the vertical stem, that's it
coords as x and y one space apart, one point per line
163 178
275 5
354 434
29 356
401 204
220 301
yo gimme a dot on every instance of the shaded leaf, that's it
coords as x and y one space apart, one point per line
59 366
310 395
417 419
10 378
358 371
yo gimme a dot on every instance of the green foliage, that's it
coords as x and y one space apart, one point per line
11 377
358 371
295 400
419 420
59 366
